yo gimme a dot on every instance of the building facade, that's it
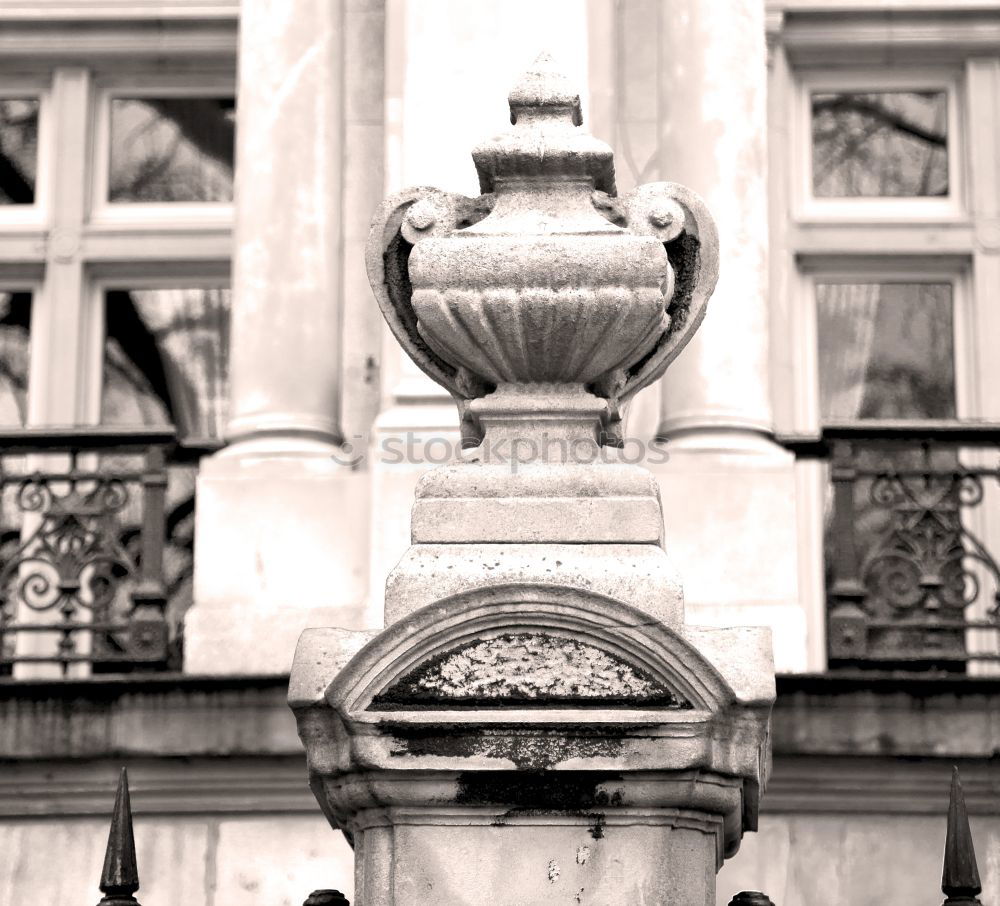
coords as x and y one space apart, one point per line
188 334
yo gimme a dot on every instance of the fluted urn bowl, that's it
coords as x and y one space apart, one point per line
564 307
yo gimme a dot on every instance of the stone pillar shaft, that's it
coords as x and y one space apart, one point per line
713 138
282 516
285 352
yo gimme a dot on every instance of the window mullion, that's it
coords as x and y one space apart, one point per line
60 330
983 81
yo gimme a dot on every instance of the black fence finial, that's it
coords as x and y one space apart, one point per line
751 898
960 879
326 898
120 878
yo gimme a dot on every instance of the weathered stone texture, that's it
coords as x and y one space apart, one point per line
529 667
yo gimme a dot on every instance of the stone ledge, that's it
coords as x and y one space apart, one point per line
270 784
157 715
159 786
167 715
885 715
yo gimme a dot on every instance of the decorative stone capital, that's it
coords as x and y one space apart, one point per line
530 679
547 295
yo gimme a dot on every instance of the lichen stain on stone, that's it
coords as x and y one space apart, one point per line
531 669
582 854
684 254
554 871
528 748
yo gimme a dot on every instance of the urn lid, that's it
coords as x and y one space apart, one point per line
545 142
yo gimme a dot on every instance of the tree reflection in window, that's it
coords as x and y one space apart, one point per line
15 328
166 359
880 144
171 149
15 331
18 150
886 350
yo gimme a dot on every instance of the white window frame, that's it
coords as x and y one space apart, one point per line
140 85
808 207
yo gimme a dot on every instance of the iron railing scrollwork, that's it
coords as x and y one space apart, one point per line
912 582
84 529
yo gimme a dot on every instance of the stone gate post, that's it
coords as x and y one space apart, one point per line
537 723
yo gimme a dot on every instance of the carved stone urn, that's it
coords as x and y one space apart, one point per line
547 290
537 724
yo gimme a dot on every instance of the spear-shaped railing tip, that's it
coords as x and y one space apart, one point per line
120 878
326 898
751 898
960 879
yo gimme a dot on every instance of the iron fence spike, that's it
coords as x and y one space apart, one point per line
326 898
751 898
120 877
960 878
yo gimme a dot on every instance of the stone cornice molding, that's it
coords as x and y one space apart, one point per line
915 34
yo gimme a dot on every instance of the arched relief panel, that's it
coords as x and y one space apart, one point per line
575 651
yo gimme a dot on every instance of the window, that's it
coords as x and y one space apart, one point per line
165 359
879 144
885 351
114 298
15 349
883 148
18 150
171 149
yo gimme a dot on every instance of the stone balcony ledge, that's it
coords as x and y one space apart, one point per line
167 715
842 744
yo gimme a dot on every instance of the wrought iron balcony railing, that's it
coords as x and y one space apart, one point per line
912 536
96 536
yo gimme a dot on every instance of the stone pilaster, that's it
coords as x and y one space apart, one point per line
715 408
282 516
713 138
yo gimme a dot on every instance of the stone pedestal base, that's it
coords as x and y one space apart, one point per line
281 545
533 744
474 858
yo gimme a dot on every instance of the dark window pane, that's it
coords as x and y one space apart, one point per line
880 144
171 149
166 359
886 350
18 150
15 327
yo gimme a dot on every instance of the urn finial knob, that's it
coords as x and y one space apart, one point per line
544 87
